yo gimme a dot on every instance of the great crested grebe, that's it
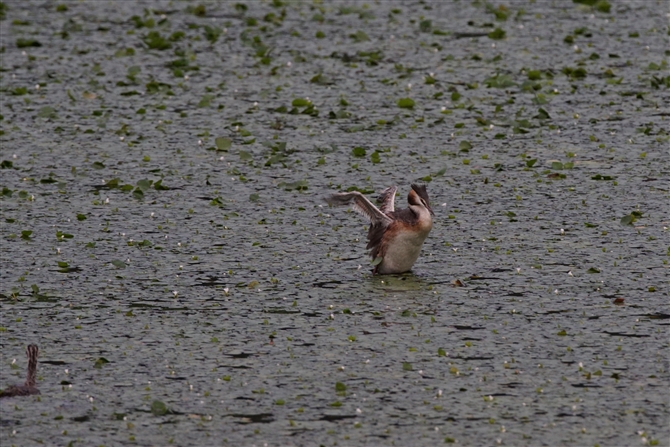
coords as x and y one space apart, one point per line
395 237
29 387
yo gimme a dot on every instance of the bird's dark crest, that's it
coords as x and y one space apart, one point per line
421 191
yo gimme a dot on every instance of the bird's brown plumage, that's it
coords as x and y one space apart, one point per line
386 223
30 386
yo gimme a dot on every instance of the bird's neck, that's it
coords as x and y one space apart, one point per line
32 372
422 214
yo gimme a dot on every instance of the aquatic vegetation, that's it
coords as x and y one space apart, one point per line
162 171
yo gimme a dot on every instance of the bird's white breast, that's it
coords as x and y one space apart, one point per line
403 249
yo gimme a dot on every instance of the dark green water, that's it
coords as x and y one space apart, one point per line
165 241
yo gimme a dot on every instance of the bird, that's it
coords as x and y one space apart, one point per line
395 237
28 388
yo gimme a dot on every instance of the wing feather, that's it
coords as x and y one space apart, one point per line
387 200
362 205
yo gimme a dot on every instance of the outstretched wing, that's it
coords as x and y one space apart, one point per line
362 205
387 200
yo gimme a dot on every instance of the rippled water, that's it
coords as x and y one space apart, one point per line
166 244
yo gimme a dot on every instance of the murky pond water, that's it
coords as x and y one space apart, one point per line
166 244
